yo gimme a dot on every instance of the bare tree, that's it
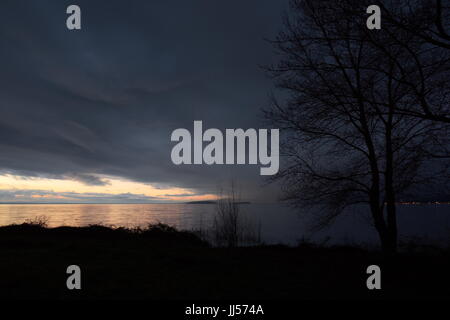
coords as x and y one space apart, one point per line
231 227
427 19
347 140
227 222
425 22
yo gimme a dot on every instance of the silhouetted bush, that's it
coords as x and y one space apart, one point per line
160 234
230 229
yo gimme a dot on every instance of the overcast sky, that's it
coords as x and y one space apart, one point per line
98 105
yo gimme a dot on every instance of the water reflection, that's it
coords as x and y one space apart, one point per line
279 224
126 215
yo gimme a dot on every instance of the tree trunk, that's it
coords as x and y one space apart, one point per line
391 219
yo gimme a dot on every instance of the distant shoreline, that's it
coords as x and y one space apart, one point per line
214 202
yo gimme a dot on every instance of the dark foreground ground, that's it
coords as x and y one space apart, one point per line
161 263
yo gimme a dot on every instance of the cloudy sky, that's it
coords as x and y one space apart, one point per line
86 116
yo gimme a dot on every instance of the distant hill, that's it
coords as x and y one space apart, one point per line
202 202
212 202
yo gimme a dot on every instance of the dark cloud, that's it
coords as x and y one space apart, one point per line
105 99
89 179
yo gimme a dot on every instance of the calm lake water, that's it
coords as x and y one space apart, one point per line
278 223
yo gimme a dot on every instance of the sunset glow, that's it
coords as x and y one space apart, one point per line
14 188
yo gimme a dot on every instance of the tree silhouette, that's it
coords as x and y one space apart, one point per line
425 21
350 136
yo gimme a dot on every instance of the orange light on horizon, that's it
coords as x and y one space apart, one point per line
48 188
